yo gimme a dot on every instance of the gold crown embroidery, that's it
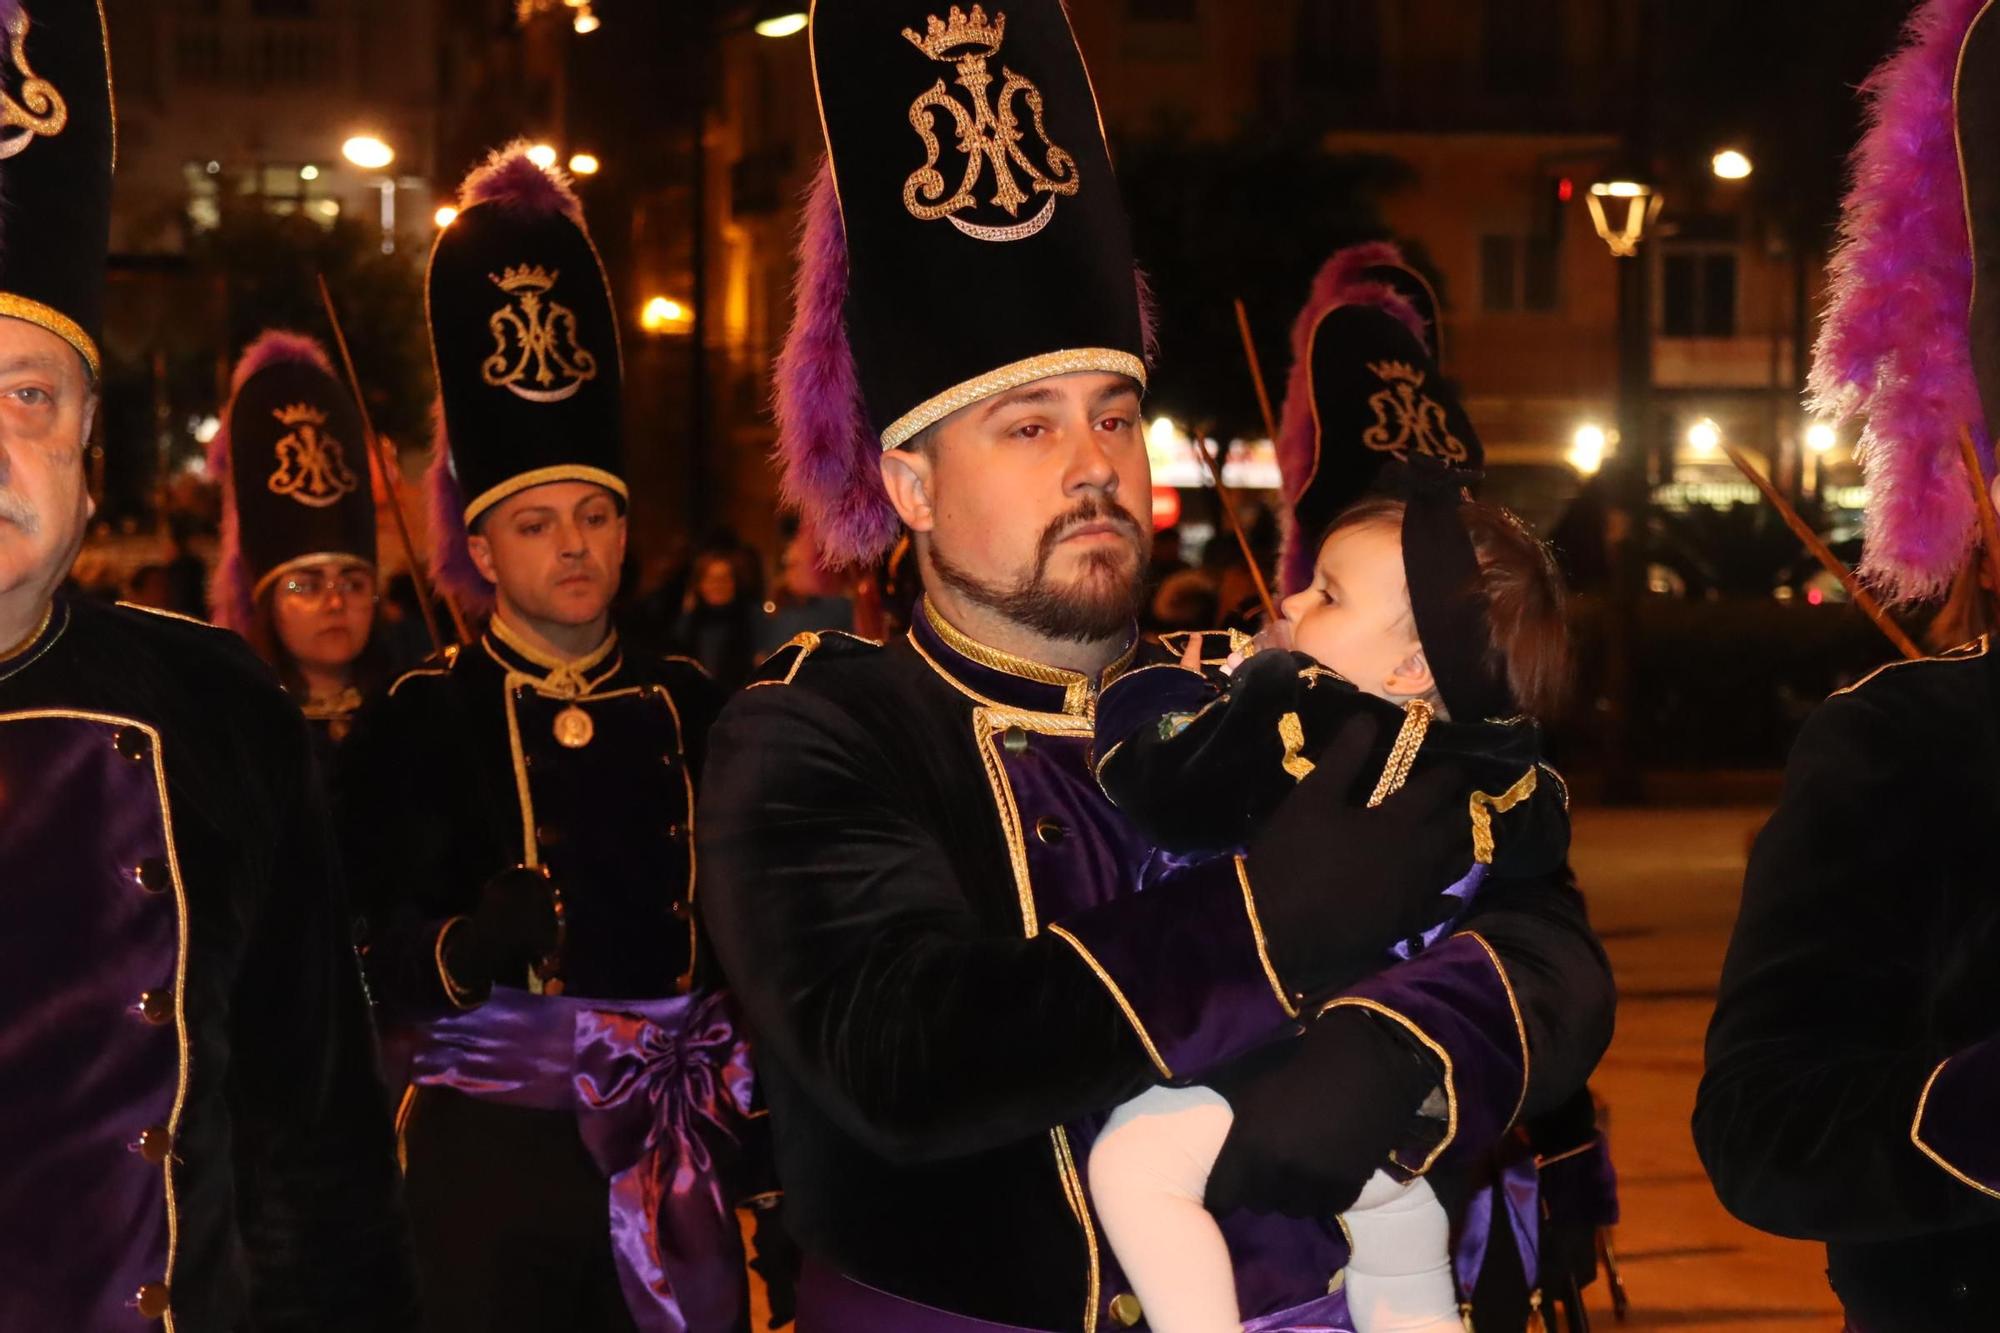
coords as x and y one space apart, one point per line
311 467
38 109
536 354
989 133
1406 418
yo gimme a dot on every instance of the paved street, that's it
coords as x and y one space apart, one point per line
1663 886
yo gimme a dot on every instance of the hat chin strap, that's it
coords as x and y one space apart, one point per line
1446 599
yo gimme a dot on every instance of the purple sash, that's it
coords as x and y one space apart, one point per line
662 1091
1515 1185
831 1303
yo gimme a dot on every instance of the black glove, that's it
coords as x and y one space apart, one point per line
1337 884
1318 1118
514 926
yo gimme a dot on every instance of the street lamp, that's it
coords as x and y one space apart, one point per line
1731 165
1642 205
1586 450
585 22
663 315
445 216
368 152
1821 438
1704 437
542 155
583 164
780 18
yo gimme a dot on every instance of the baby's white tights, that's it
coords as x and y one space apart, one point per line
1148 1172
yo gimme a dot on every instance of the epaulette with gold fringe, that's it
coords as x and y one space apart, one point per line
783 665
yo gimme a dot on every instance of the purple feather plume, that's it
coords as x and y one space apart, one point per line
451 567
1894 345
230 582
829 457
508 178
1339 283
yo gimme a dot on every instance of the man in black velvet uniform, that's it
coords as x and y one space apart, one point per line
187 1081
523 819
1852 1089
956 954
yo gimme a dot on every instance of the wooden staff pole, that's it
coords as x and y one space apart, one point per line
389 470
1824 554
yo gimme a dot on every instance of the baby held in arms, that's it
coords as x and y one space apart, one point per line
1200 757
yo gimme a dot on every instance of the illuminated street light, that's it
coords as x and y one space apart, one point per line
1586 450
583 164
786 23
368 152
1642 206
542 155
308 172
663 314
1163 434
1821 438
445 215
1731 165
1704 437
585 22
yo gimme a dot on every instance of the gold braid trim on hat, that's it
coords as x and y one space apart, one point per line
1046 366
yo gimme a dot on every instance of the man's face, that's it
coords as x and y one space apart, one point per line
554 550
1028 501
46 402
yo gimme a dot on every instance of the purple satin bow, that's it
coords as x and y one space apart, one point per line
1515 1186
663 1092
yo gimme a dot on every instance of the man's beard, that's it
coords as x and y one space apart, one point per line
1099 605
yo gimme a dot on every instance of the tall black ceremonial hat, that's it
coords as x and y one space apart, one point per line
1368 412
56 155
524 337
967 237
1372 395
294 463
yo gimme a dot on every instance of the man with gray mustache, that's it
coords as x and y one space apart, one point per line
186 1067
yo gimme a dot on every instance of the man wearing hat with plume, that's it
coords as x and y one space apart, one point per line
186 1070
955 954
297 574
1853 1065
522 821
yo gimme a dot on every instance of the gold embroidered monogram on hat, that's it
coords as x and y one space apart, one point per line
39 109
536 354
1407 418
311 467
989 132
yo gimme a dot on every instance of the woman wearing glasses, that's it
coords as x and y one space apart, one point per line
297 576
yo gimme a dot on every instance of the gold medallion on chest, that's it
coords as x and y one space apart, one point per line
574 728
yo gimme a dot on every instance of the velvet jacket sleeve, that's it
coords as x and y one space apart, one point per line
846 934
1514 1010
403 831
316 1178
1197 766
1831 1107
